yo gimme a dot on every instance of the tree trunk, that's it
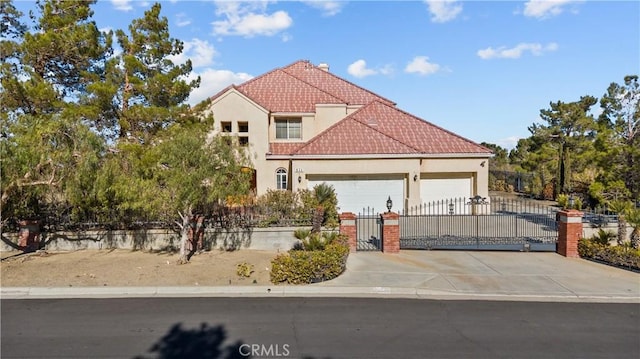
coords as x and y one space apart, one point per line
184 235
622 229
635 238
316 221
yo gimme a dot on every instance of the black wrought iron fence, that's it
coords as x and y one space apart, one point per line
368 230
480 223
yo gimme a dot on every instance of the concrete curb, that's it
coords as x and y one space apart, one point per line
291 291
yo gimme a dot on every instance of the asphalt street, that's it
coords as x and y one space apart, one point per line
316 328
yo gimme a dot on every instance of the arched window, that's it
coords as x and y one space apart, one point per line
281 178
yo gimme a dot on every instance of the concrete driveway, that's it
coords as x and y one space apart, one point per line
490 275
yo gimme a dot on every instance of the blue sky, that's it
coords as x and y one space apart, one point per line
480 69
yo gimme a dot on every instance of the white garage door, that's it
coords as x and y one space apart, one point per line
445 189
354 195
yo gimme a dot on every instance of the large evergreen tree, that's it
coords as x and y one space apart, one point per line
561 145
618 140
142 91
44 141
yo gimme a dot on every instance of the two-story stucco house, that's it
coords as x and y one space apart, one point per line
304 125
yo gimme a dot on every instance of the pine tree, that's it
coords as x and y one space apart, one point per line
142 90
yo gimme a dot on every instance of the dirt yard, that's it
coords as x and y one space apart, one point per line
132 268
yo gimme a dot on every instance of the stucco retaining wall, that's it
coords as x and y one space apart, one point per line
589 231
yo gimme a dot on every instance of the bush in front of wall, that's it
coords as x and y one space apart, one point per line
598 248
310 241
300 266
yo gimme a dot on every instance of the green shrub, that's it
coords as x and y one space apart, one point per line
244 270
311 266
588 248
603 237
314 241
577 203
563 201
623 255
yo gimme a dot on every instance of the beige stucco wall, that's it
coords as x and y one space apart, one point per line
328 115
234 107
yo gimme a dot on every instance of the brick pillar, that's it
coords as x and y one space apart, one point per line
569 232
348 228
29 239
390 232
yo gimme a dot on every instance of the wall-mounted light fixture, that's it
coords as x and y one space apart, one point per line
415 178
483 163
299 179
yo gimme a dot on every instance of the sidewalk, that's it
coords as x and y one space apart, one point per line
418 274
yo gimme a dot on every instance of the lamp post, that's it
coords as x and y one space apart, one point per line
389 204
572 201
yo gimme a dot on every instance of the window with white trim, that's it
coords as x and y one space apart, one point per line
281 178
288 128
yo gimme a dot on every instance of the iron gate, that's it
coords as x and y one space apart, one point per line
368 231
478 224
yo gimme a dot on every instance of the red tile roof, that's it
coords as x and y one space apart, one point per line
300 86
376 128
351 137
278 91
284 148
350 93
379 128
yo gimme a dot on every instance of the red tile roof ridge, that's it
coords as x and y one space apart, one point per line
337 77
422 121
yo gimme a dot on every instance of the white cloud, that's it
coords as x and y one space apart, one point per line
249 19
329 8
517 51
199 51
212 81
421 65
182 20
359 69
443 10
122 5
543 9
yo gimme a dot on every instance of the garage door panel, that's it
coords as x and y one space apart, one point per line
446 189
358 195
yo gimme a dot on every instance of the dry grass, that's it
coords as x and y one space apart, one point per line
132 268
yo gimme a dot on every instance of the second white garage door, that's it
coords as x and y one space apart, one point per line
446 189
354 195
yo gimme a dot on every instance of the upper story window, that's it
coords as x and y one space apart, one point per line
281 178
243 127
226 126
288 128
